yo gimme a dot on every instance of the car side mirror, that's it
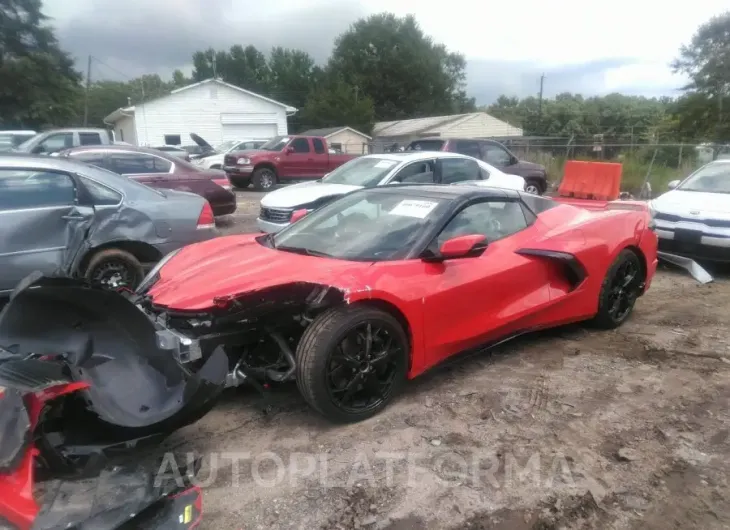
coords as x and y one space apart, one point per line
673 184
298 214
288 150
513 160
469 246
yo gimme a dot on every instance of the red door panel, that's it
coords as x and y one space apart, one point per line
479 300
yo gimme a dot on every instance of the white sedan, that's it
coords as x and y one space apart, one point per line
215 161
415 167
693 218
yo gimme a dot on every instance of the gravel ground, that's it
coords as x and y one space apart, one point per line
575 429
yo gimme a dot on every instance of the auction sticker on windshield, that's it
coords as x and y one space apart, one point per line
411 208
385 164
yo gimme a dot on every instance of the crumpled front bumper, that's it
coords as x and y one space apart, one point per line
185 349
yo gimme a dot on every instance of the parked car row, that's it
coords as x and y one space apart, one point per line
277 207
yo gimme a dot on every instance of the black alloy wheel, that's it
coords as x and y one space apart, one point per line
351 361
621 288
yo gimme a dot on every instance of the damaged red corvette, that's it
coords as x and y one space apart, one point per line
379 286
366 292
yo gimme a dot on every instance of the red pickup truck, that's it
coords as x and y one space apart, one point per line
280 159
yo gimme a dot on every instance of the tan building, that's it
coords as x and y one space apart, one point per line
343 139
472 125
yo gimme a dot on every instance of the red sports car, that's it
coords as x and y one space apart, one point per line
377 287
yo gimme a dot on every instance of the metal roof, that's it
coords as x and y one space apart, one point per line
434 125
329 131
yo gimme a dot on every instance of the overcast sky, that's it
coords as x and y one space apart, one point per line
581 46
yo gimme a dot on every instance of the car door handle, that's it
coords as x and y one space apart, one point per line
73 217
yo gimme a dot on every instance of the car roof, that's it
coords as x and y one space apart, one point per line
415 156
130 187
444 191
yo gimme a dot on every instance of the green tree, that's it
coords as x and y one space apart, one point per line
335 103
406 74
39 84
706 61
244 67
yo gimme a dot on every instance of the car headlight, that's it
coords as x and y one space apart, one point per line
243 161
154 274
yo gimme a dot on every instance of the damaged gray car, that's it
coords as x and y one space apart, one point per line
66 218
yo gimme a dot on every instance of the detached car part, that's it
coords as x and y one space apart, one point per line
690 265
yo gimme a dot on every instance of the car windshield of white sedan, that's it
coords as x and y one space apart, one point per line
224 147
365 172
713 178
275 144
362 227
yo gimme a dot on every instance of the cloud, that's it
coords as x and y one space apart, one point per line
580 47
143 36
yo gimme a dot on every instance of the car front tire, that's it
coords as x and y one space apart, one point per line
113 267
351 361
534 186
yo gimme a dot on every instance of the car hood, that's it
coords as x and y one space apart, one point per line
304 193
198 140
531 165
685 203
236 265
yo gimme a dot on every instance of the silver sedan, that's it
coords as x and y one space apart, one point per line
66 218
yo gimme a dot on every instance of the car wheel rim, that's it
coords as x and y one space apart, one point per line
624 290
363 367
267 180
113 274
532 188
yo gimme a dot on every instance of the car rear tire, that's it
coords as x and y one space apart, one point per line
264 179
239 182
534 186
621 287
113 268
339 375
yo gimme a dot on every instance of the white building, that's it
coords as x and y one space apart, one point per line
215 110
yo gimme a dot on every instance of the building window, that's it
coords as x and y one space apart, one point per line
172 139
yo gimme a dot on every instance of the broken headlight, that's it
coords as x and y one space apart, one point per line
154 274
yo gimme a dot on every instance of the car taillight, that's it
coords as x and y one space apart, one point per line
224 183
206 219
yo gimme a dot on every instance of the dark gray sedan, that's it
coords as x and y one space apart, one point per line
67 218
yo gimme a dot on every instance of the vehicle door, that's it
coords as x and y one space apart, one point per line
466 147
497 156
479 300
456 169
42 220
420 172
54 143
143 167
296 159
320 163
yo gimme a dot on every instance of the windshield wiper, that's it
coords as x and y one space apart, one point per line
304 251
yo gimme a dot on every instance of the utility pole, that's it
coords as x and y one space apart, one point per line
215 73
86 97
539 103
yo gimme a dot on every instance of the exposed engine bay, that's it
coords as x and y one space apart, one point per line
259 332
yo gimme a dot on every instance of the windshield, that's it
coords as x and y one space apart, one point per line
25 146
712 178
276 144
365 172
368 225
224 147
